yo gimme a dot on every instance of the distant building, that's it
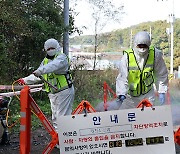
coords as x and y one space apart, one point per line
85 60
88 64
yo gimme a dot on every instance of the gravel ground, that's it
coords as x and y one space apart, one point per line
40 138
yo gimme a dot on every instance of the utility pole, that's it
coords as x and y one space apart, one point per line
66 27
171 20
131 38
150 32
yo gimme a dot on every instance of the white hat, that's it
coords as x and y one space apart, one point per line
51 46
142 38
51 43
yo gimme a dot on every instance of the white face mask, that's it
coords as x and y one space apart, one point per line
142 51
51 52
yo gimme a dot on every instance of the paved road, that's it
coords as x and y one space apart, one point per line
177 149
176 114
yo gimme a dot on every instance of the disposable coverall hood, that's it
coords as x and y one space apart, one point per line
142 38
52 46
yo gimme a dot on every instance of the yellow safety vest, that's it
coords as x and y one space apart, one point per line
60 81
140 81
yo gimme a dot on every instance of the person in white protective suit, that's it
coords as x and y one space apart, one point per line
55 69
139 69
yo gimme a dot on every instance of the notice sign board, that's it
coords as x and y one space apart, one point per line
130 131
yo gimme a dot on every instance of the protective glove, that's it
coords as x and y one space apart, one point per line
21 81
37 73
162 98
121 98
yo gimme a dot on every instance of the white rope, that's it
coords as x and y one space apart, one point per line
18 92
8 87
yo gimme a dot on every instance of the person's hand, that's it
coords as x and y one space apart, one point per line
21 81
37 73
121 98
162 98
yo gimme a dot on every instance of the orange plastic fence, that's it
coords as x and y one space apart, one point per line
26 101
177 137
25 121
144 102
47 125
107 89
84 106
168 100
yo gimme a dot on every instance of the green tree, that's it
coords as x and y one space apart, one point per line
11 29
103 12
120 39
24 26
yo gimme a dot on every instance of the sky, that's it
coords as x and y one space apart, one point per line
136 11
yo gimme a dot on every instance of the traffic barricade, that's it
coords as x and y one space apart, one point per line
27 104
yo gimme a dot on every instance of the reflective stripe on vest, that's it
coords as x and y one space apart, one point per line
140 82
61 81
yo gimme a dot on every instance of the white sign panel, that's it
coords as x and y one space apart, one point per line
120 131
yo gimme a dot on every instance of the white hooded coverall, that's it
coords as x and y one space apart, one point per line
160 73
61 102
